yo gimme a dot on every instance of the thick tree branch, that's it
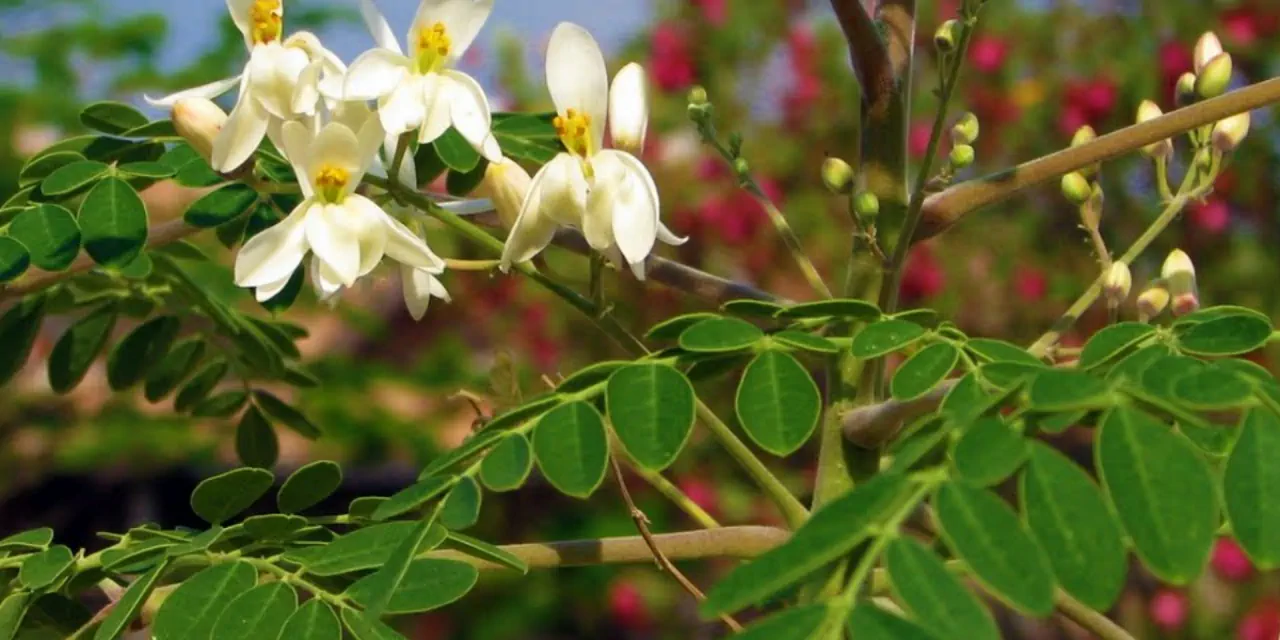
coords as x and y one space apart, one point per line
867 51
874 424
945 208
725 542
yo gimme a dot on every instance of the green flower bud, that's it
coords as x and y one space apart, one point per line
741 168
1082 135
1075 188
1215 78
1185 92
1118 283
1207 48
1179 274
1229 133
961 156
945 37
866 205
697 95
1152 302
1148 111
699 113
966 129
837 175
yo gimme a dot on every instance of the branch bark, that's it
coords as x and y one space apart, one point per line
945 208
726 542
867 51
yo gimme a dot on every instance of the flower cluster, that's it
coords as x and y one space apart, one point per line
335 124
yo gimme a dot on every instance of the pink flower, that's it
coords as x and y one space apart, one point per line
1213 216
701 492
1099 98
1030 284
987 53
1168 609
671 61
711 168
922 276
714 11
1070 119
918 138
1241 25
1261 623
1230 562
627 605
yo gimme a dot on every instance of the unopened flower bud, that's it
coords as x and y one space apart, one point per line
1152 302
966 129
945 37
1091 212
837 175
697 95
1207 48
961 156
505 183
1085 135
741 168
1185 91
866 205
1075 188
1214 79
1179 274
1229 133
1148 111
198 121
1118 283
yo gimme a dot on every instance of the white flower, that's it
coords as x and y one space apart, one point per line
280 82
420 90
419 287
346 233
607 193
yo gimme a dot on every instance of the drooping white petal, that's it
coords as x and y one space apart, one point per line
462 20
306 93
367 227
635 204
377 24
419 286
629 108
240 135
369 137
469 111
577 77
666 236
273 254
333 239
271 290
273 73
562 192
296 139
403 246
324 281
206 91
438 92
408 175
337 146
610 185
375 74
530 234
402 109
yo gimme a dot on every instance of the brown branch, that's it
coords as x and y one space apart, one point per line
943 209
726 542
872 425
867 51
1097 623
664 563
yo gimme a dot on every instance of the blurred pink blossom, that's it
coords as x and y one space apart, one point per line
715 11
671 61
627 605
922 276
1230 562
987 53
1262 622
1030 284
701 492
1168 609
918 138
1212 216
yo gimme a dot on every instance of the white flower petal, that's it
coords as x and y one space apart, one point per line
241 15
635 207
273 254
469 111
274 71
403 245
375 74
333 240
462 20
206 91
403 110
240 135
666 236
563 191
371 237
378 26
408 169
296 139
369 138
629 108
271 290
306 93
336 145
611 184
438 92
577 77
324 281
419 286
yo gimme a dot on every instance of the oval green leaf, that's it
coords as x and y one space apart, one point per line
218 498
993 350
314 620
79 347
72 177
477 548
1213 387
671 328
869 622
461 507
922 583
456 152
651 407
429 583
256 442
1251 488
286 414
719 335
1162 490
129 604
221 206
987 535
173 368
923 371
193 608
50 234
839 308
795 623
1109 343
113 222
1055 390
989 451
749 307
40 570
14 259
1067 515
131 359
571 448
1227 336
307 486
365 548
885 337
507 465
414 496
778 403
18 328
112 117
805 341
260 612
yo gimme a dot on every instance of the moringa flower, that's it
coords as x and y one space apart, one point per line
345 232
274 86
607 193
420 90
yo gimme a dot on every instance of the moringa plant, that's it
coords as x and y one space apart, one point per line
935 484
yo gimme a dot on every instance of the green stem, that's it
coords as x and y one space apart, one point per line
673 493
1100 625
402 146
792 510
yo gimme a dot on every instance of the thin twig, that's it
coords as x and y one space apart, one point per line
664 563
1100 625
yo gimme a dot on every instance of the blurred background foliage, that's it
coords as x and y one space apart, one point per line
777 71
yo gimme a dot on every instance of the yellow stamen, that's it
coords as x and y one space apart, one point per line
433 46
265 24
331 183
574 129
